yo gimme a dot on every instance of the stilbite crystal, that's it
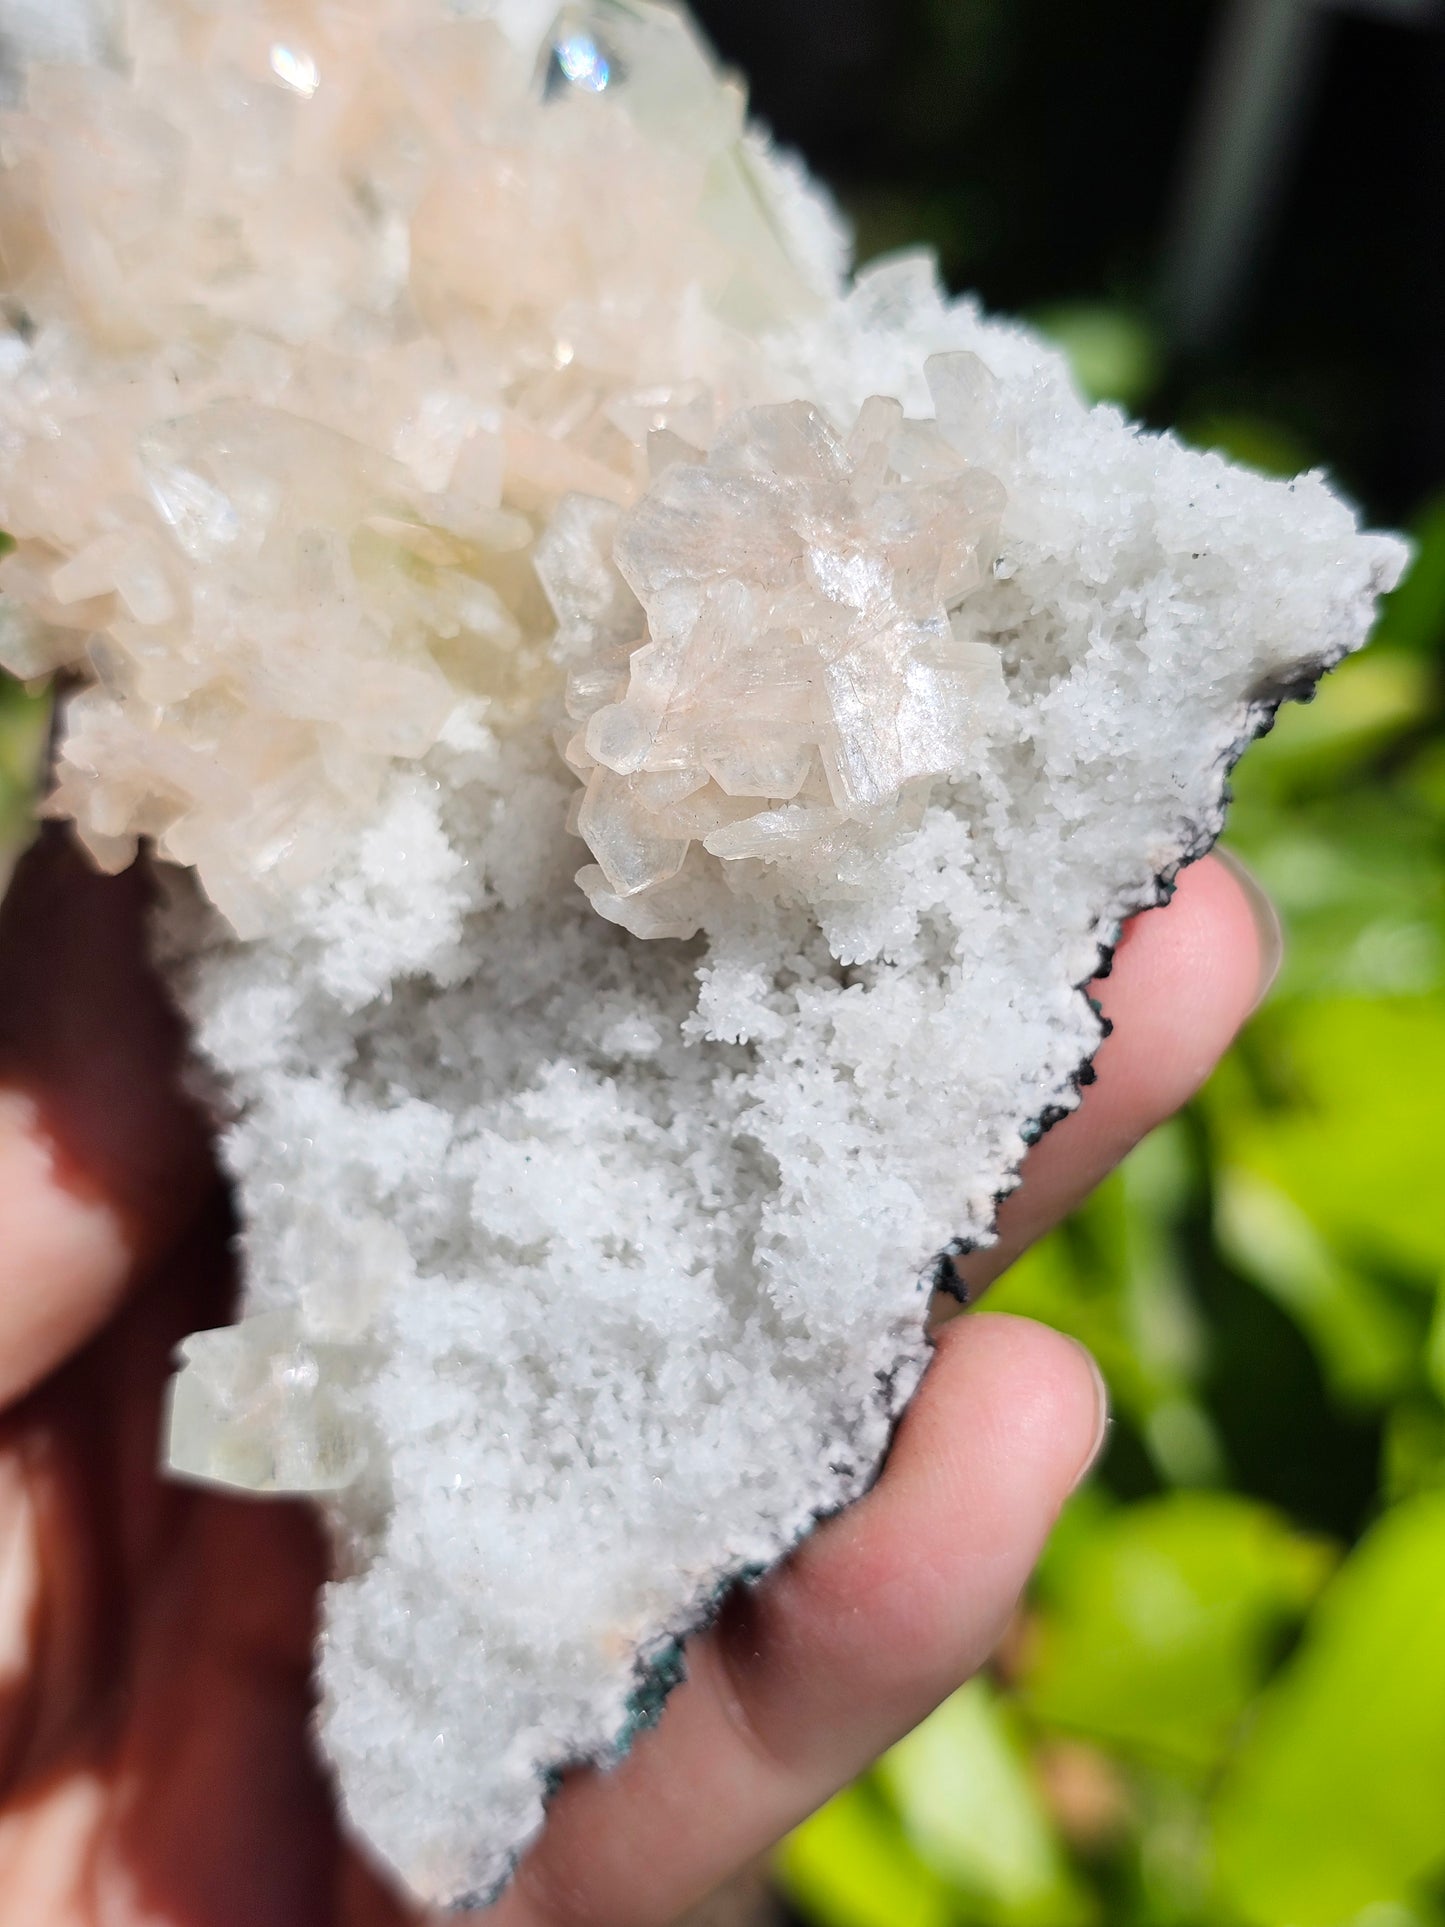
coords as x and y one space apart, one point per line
800 666
395 400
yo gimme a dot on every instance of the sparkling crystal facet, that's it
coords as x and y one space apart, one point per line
295 69
578 60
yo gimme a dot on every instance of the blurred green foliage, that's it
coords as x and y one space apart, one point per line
22 733
1223 1704
23 718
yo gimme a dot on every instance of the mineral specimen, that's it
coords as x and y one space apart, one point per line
401 403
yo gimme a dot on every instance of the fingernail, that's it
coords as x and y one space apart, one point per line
1101 1426
1266 922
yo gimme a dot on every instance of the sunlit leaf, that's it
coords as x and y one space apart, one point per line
1341 812
23 720
1056 1283
852 1866
1368 699
1413 1450
1354 1136
1116 1279
1435 1346
1160 1628
1367 1343
1337 1800
1112 350
962 1785
1414 616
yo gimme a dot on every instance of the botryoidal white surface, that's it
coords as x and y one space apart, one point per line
437 446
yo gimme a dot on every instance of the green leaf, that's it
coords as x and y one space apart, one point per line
1341 813
1056 1283
1264 445
1414 614
1413 1449
1352 1135
1159 1630
962 1786
1116 1279
1360 890
1368 700
23 721
851 1866
1336 1802
1113 352
1368 1345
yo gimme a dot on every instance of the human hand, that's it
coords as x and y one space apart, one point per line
155 1640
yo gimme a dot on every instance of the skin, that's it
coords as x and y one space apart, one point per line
155 1640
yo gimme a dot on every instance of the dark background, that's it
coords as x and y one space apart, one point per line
1046 149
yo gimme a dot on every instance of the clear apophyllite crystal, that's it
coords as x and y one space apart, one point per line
254 1407
434 434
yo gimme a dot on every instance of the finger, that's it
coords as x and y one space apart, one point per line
85 1520
1185 978
102 1160
806 1679
154 1700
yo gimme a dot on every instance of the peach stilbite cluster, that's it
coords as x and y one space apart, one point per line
314 330
808 667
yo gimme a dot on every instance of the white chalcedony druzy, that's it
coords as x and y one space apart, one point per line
432 434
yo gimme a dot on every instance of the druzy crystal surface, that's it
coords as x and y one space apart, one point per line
648 735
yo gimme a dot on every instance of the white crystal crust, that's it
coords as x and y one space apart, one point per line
444 468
